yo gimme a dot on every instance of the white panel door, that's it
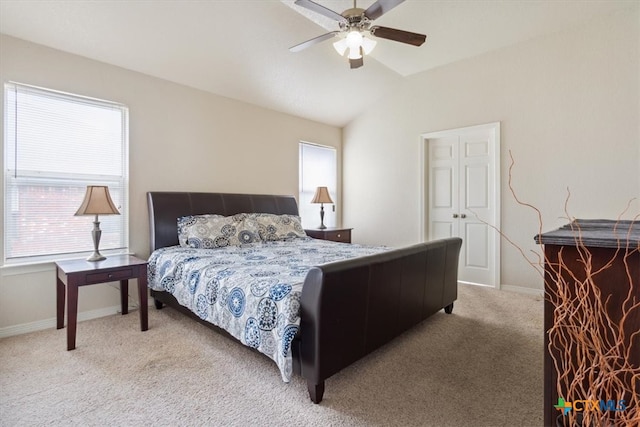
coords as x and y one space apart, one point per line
443 184
463 197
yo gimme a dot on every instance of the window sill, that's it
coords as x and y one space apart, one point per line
42 266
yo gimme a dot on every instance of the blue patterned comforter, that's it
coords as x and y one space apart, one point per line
252 291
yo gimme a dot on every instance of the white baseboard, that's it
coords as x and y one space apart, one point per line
510 288
51 323
475 284
522 290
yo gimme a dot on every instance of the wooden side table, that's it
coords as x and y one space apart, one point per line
334 234
75 273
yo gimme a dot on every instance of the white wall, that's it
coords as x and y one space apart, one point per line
569 109
181 139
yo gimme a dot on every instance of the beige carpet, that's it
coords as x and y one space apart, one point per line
480 366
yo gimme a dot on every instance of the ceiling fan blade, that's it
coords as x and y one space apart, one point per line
318 8
315 40
380 7
356 63
398 35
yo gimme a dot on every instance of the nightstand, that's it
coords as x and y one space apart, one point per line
75 273
334 234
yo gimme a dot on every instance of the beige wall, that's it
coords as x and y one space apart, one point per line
568 106
180 139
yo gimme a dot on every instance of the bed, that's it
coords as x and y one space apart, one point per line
338 303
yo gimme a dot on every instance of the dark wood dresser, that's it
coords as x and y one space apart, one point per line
616 243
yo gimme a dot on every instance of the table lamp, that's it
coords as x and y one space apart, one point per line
97 201
322 197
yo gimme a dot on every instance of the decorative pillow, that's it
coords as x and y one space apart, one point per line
216 231
277 227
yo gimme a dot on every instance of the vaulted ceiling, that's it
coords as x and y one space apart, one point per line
239 48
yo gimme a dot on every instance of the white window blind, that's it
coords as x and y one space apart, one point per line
55 145
318 168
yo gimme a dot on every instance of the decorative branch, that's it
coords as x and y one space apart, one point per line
591 352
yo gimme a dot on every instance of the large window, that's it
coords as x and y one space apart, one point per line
317 169
55 145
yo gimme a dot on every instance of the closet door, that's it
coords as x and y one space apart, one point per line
463 186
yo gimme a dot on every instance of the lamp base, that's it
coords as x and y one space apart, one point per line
96 256
96 233
322 226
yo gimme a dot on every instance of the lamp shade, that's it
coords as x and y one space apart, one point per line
355 53
322 196
97 201
340 46
368 45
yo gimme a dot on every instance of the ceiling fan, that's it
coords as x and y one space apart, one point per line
353 23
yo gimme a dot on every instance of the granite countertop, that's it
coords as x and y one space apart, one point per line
602 233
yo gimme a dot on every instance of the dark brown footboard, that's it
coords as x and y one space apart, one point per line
350 308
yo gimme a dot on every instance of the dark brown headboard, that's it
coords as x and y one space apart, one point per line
165 207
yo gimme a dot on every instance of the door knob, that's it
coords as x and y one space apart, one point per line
455 215
463 215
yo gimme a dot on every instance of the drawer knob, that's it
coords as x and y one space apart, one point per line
339 235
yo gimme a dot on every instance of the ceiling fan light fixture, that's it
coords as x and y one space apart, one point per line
353 24
356 43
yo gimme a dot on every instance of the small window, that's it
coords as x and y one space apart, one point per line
55 145
318 168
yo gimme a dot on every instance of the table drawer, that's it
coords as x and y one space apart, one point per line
338 236
121 274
